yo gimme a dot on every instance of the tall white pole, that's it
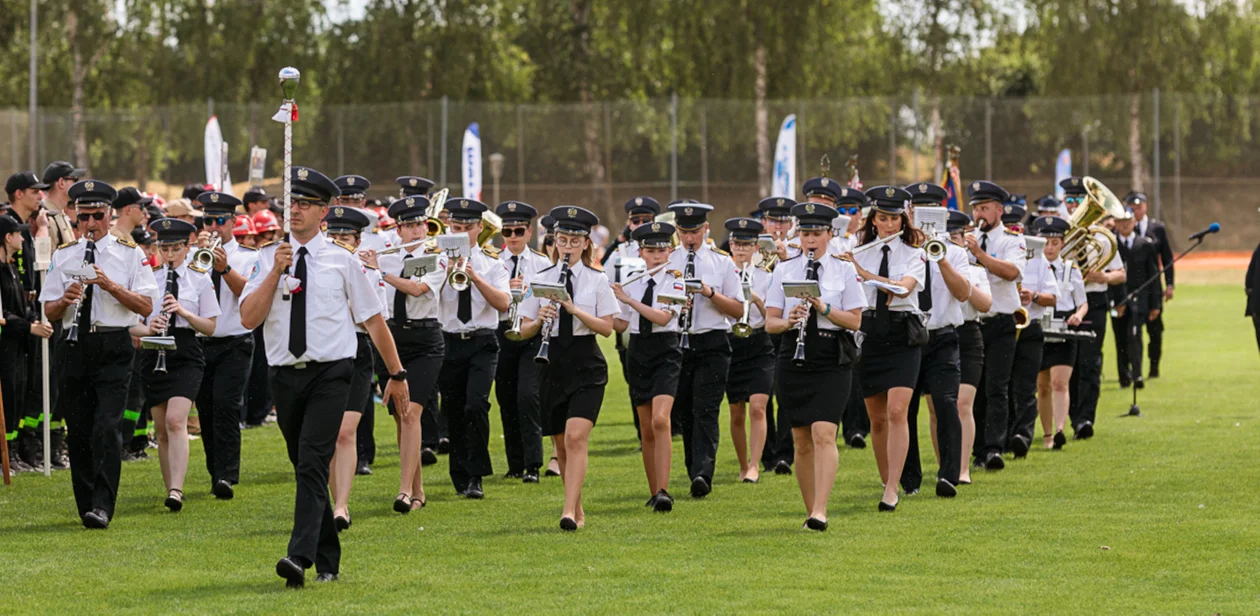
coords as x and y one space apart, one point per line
32 110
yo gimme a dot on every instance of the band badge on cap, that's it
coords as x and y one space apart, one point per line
638 200
809 208
844 192
411 201
922 187
1076 181
412 181
743 224
890 191
302 174
166 224
214 197
90 185
572 212
689 211
975 186
512 206
349 182
1008 209
656 227
339 212
825 182
779 202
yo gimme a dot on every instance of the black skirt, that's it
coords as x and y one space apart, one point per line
653 363
752 366
361 378
971 352
184 366
421 351
571 384
818 390
888 360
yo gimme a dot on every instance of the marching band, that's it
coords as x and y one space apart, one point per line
828 319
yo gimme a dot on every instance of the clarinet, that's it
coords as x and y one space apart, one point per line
160 368
684 317
549 323
798 358
72 334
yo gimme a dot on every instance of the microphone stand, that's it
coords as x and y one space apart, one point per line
1135 327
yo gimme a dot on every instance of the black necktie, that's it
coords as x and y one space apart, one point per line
217 278
400 298
465 302
925 295
516 263
85 311
566 319
297 309
645 326
881 300
984 242
811 273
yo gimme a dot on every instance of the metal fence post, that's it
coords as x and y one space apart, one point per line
520 152
704 153
802 170
1177 160
341 141
1085 146
442 153
673 146
988 138
892 142
914 137
1155 155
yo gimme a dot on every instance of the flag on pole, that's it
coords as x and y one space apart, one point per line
953 186
1062 171
471 162
214 152
783 178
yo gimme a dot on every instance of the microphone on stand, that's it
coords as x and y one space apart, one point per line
1212 228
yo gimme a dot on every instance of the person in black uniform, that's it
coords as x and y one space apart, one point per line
751 377
172 379
1038 291
308 306
1059 355
1149 227
970 341
640 210
18 338
814 359
1251 285
575 373
775 214
856 423
93 362
1141 263
134 428
890 356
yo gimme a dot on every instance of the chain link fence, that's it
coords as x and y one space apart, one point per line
1201 158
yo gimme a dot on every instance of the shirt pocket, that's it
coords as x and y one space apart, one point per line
586 299
327 284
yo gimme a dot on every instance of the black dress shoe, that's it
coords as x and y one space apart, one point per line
530 476
782 468
568 525
816 524
341 523
174 500
994 462
474 489
1086 431
1019 446
294 575
945 489
96 519
1138 383
664 502
363 468
222 490
402 503
428 457
857 441
748 480
886 508
700 487
652 501
1125 381
514 475
1059 440
1154 374
444 446
551 473
327 577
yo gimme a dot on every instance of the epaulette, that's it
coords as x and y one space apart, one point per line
244 247
490 251
348 247
541 254
265 244
127 241
1011 232
720 251
155 267
66 245
432 250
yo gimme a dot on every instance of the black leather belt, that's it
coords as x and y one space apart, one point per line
417 323
102 329
894 316
470 335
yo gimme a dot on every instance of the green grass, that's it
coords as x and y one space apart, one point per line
1157 514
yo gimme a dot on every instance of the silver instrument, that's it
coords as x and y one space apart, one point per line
160 340
875 244
1056 329
644 274
514 316
456 246
931 221
798 357
203 258
684 316
401 247
742 328
543 356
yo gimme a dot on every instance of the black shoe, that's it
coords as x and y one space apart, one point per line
364 468
664 502
57 445
816 524
402 503
514 475
174 500
652 501
327 577
428 457
1086 431
139 454
222 490
31 450
1059 440
294 575
782 468
1154 374
886 508
96 519
551 473
1125 381
994 462
530 476
1138 383
945 489
857 441
16 465
747 480
341 523
1019 446
909 491
568 525
700 487
444 446
474 489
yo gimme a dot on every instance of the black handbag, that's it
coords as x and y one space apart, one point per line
916 329
849 350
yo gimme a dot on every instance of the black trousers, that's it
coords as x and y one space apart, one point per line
1255 323
993 404
93 377
310 402
779 445
13 382
940 372
467 374
701 387
134 413
1155 348
221 401
1028 350
855 419
258 393
1087 374
1128 331
516 390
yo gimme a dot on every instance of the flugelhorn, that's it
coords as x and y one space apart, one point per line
742 328
514 316
203 258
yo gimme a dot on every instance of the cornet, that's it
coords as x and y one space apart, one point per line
742 328
931 220
514 316
458 278
203 258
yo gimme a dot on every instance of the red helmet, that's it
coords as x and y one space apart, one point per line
244 227
265 221
384 222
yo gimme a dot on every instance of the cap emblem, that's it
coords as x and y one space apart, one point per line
975 186
166 224
412 181
1008 209
214 197
512 206
809 208
302 174
1076 181
690 211
922 188
638 200
350 181
572 212
90 185
779 202
743 224
656 227
890 191
844 192
463 203
339 212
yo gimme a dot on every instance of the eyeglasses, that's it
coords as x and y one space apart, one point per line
514 232
93 216
217 220
305 205
640 220
566 241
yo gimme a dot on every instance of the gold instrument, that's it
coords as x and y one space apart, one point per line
1087 243
203 258
931 221
458 278
934 249
491 224
1021 314
544 349
742 328
432 214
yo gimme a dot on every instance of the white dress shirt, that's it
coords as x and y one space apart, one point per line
591 293
837 281
196 294
979 279
526 265
427 305
1116 264
378 282
903 260
716 270
666 282
338 296
1006 246
240 259
842 243
1071 286
947 311
372 240
122 262
484 316
1038 278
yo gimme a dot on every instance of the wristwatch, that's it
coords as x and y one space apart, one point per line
226 269
401 375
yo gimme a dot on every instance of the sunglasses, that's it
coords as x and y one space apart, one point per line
514 232
641 220
217 220
93 216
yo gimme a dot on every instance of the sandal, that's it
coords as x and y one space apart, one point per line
418 501
402 504
174 500
551 473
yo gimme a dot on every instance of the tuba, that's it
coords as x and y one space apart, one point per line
491 224
1087 243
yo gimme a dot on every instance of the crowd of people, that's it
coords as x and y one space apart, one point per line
822 323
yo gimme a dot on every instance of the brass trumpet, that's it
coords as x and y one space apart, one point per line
742 328
458 278
514 316
203 258
1021 314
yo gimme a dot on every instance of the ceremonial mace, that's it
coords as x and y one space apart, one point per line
289 79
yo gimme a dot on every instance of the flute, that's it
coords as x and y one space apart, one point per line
642 275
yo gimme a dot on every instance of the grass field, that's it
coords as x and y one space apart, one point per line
1157 515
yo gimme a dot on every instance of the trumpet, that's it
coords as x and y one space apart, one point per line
458 278
432 219
514 316
1021 314
742 328
544 349
935 249
798 357
203 258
